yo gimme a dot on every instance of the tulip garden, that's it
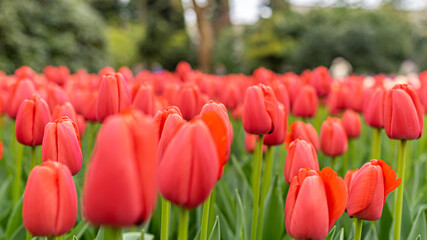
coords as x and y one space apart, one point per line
187 155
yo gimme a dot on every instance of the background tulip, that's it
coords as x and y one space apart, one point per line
305 102
373 110
351 123
19 91
306 131
301 154
333 138
278 136
50 200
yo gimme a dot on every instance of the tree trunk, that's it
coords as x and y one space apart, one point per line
206 38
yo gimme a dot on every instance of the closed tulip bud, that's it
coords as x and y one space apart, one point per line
260 110
143 98
403 113
221 111
19 91
278 136
282 95
189 167
373 110
305 131
369 188
64 110
58 75
89 110
127 73
301 154
305 102
56 96
25 72
189 100
333 139
120 187
61 143
161 116
32 117
81 122
231 96
321 80
316 199
113 96
351 123
170 127
50 200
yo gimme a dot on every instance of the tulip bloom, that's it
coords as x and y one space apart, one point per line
32 117
305 131
113 96
61 143
305 102
56 96
333 139
58 75
373 110
260 110
120 186
321 80
189 167
349 176
64 110
403 113
161 116
19 91
143 98
278 136
50 200
369 188
351 123
301 154
316 199
189 100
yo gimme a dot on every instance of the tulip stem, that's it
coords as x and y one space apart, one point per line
111 233
166 212
333 162
399 195
346 156
184 215
17 188
358 228
33 157
257 183
205 219
28 236
254 169
266 183
376 144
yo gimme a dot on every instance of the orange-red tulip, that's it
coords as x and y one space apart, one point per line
161 116
278 136
305 102
19 91
305 131
316 199
351 123
189 100
32 117
65 110
373 110
50 200
369 188
301 154
61 143
321 80
143 98
58 75
333 139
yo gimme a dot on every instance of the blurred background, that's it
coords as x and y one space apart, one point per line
215 36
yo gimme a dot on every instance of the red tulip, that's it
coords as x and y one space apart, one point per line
333 139
316 199
61 143
281 94
58 75
301 154
403 113
351 123
82 124
50 200
113 96
120 186
170 127
189 167
373 110
305 131
127 73
305 102
19 91
260 110
56 96
32 117
349 176
278 136
25 72
143 98
321 80
337 98
189 100
369 189
231 95
64 110
250 142
161 116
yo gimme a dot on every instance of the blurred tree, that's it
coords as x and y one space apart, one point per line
40 32
118 11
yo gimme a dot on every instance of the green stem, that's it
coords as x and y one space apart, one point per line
111 233
399 194
166 212
333 161
254 169
346 156
212 210
205 219
33 157
28 236
18 177
258 166
266 182
358 224
376 144
184 215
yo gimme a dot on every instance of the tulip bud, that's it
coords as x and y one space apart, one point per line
19 91
170 127
373 110
58 75
56 96
278 136
333 139
305 131
189 167
351 123
316 199
81 122
282 95
403 114
50 200
189 100
250 142
305 102
113 96
143 98
25 72
64 110
369 188
61 143
32 117
321 80
120 186
349 176
260 110
301 154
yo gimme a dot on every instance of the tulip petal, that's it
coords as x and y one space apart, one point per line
390 181
362 189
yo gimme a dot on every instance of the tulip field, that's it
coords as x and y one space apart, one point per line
188 155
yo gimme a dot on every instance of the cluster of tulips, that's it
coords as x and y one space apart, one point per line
169 135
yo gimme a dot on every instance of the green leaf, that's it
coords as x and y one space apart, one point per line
331 233
340 235
274 213
240 222
216 230
15 225
100 234
372 233
419 225
136 236
385 222
78 230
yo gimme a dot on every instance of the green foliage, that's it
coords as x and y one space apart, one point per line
38 33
